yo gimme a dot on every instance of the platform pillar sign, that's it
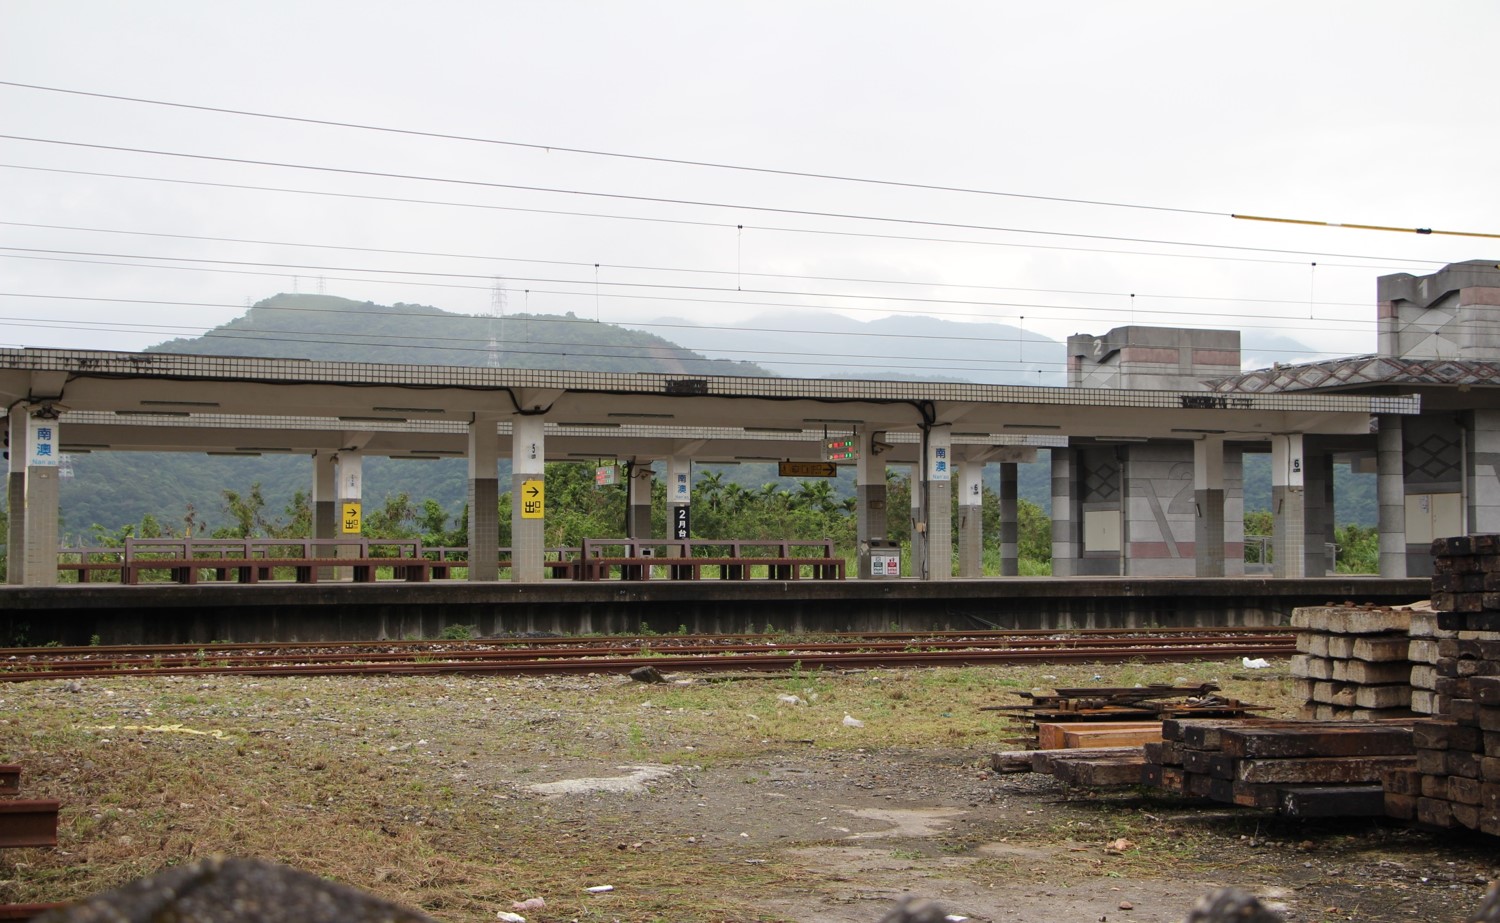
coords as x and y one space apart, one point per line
44 444
682 523
349 519
534 499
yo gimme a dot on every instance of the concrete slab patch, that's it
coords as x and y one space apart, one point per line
635 781
912 822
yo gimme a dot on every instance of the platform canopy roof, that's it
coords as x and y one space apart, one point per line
238 405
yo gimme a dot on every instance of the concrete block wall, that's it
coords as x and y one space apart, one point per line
1453 313
1152 358
1160 514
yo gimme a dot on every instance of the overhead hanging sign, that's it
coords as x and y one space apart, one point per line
605 475
801 469
841 449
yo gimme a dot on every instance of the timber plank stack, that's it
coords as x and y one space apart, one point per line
1352 662
1456 782
1301 768
1129 706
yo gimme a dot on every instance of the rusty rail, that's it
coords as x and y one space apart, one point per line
28 823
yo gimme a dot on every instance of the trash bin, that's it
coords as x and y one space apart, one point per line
880 557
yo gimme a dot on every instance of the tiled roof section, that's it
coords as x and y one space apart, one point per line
1359 370
302 371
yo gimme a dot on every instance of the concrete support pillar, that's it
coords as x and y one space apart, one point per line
325 505
325 500
1318 521
971 519
40 553
1067 528
1390 494
918 525
1010 522
528 531
16 423
869 490
679 508
1287 495
1482 471
638 514
938 504
679 497
1234 512
1208 499
484 498
351 486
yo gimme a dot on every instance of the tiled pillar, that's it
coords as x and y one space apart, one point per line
1010 523
971 519
484 498
16 423
42 447
350 466
1287 494
939 503
1066 527
325 506
1208 498
870 492
638 516
1390 493
1482 471
1317 511
528 526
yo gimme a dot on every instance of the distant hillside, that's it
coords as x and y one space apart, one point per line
896 348
326 327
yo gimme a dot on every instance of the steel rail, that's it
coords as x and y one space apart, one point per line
731 662
565 640
315 654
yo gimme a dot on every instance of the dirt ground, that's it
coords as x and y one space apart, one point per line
871 827
458 794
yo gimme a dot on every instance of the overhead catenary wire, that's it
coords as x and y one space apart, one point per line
718 165
1191 316
824 232
558 148
924 283
659 200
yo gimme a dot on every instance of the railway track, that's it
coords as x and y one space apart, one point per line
620 654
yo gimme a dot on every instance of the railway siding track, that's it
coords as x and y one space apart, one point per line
699 653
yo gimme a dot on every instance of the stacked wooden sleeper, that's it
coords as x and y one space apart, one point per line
1298 768
1352 662
1456 779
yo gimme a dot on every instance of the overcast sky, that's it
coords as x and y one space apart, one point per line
1361 112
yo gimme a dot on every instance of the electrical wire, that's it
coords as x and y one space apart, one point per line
1382 262
719 302
721 272
658 200
555 148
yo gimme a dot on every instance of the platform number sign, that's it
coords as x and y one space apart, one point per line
681 523
349 522
533 499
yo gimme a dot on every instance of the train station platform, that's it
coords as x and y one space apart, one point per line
114 614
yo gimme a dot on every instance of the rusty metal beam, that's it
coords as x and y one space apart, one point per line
28 823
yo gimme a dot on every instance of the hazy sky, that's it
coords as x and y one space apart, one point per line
1361 112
